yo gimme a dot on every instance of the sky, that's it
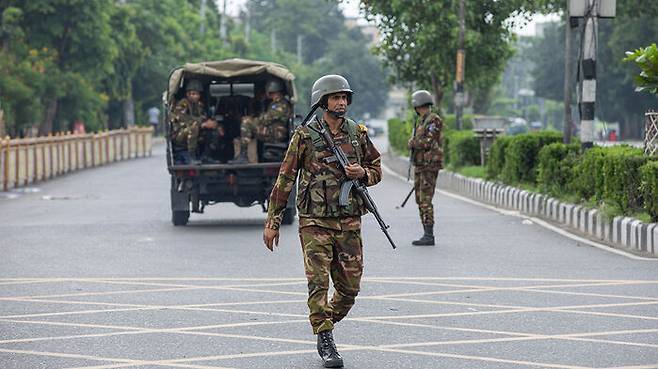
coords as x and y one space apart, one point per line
351 9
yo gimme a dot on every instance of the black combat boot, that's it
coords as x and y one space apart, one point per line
428 237
327 350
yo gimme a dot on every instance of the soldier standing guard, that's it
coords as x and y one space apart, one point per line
427 158
188 117
330 234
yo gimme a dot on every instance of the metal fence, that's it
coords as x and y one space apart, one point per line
30 160
651 134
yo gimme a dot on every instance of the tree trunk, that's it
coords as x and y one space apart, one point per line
3 130
438 90
129 110
46 126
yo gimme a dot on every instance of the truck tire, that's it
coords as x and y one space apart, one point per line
289 216
180 217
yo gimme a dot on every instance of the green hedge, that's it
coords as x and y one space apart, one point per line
621 179
587 181
649 188
556 166
521 156
460 148
449 121
399 133
496 159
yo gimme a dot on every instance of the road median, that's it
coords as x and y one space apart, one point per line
624 233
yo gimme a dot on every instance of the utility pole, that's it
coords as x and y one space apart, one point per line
590 11
202 15
587 101
273 40
222 23
299 48
566 129
247 26
459 80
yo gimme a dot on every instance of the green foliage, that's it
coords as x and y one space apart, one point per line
419 39
462 147
522 153
449 121
496 160
647 60
649 188
634 27
621 179
555 167
69 60
474 171
587 181
399 132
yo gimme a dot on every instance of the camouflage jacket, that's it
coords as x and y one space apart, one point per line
276 112
427 143
320 180
186 113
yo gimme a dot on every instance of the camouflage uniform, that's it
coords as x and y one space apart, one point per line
330 234
186 120
427 160
271 126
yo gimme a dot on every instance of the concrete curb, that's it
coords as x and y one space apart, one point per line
624 233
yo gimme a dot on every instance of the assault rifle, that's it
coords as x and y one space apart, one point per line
348 185
411 160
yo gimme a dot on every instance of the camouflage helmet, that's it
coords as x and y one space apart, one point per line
330 84
194 85
421 98
274 85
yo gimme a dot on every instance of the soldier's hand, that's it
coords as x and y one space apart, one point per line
355 171
410 144
271 238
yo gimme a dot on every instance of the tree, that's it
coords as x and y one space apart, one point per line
646 58
615 100
329 47
420 39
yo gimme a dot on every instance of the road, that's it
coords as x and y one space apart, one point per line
93 275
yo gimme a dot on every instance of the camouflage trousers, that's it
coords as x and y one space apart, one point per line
251 128
424 186
334 253
188 137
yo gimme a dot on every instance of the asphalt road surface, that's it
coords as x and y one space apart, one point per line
93 275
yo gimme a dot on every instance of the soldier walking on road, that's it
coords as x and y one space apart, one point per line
427 158
330 234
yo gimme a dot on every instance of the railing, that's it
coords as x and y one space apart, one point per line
30 160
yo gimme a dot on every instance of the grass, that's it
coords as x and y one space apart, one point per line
476 171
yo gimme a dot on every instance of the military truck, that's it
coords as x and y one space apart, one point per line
232 89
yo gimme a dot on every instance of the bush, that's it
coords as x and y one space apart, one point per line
399 133
556 166
621 178
463 149
496 159
521 156
587 180
649 188
449 121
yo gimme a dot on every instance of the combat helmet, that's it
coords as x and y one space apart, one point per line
194 85
420 98
274 85
330 84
